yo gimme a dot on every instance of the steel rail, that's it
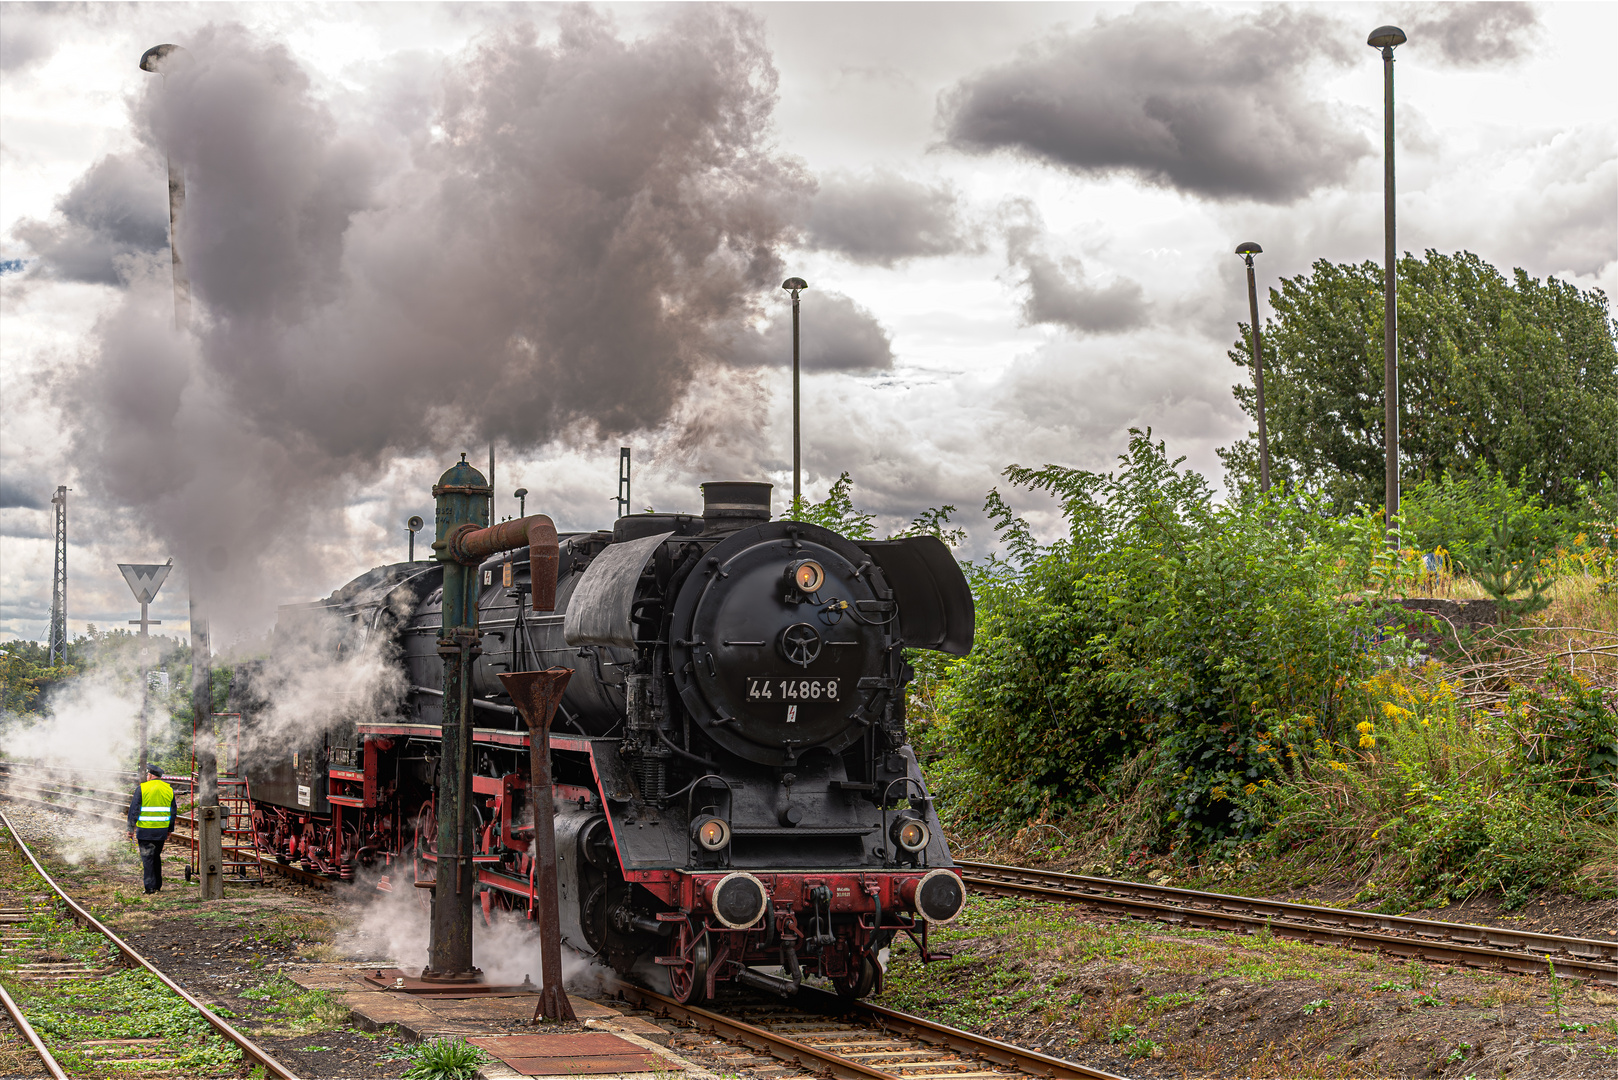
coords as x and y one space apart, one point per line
34 1040
252 1050
789 1049
1425 939
1004 1053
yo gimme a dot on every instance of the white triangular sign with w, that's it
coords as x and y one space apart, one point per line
144 580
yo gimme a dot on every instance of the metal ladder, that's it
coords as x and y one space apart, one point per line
238 839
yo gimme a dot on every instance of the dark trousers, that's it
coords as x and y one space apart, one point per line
150 842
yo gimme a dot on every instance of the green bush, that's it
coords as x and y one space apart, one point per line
1216 633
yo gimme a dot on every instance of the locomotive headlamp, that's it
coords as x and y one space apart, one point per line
808 576
910 833
712 833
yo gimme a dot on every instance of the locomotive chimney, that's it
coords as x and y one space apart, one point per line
730 505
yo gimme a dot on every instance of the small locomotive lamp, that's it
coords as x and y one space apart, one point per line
713 833
808 576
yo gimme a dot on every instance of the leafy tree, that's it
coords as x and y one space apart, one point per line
26 675
836 512
1515 377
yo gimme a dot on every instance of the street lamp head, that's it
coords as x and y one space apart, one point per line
1386 37
520 493
158 56
793 284
1249 248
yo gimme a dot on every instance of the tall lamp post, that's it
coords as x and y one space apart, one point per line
1387 38
156 59
795 285
205 799
1248 250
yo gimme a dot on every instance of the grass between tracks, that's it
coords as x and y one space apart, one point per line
121 1023
1150 1000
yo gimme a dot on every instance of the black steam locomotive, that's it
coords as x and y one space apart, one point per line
732 779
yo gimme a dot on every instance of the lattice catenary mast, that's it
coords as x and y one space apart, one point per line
58 632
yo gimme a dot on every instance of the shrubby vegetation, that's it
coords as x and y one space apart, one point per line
1180 678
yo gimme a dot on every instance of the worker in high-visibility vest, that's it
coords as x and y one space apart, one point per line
151 818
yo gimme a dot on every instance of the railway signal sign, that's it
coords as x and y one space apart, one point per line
144 581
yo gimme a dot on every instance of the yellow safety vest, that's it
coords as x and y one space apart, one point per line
156 805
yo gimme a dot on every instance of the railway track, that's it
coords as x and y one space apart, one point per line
1491 947
30 957
862 1041
61 789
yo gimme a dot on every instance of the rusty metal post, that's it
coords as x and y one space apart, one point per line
536 695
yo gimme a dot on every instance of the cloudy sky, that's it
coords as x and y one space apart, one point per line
415 230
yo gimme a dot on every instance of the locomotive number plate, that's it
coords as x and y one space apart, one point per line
791 691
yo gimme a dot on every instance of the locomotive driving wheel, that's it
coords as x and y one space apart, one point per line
426 840
860 980
688 966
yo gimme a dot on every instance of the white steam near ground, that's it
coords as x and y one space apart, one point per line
393 927
87 742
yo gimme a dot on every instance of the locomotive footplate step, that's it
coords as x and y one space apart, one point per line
571 1055
398 981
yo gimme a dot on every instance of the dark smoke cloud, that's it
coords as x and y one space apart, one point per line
575 234
882 218
835 334
1474 34
115 213
1057 290
1215 105
16 495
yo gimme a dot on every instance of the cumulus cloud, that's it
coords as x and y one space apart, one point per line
1214 104
1474 34
24 41
1058 289
835 334
115 213
1567 215
575 234
882 217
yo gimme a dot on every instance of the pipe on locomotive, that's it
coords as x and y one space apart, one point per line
464 539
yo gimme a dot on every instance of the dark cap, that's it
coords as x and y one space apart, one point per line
155 770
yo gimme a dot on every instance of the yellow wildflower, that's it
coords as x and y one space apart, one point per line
1250 788
1365 727
1216 794
1367 742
